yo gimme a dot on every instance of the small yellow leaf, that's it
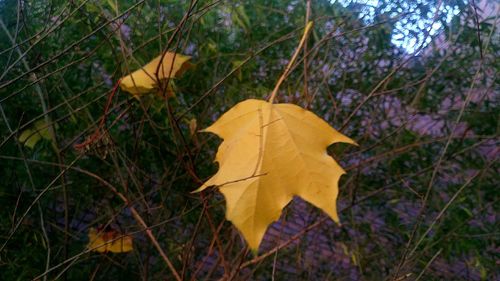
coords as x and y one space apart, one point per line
143 80
30 137
271 153
109 241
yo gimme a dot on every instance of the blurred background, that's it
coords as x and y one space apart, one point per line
414 83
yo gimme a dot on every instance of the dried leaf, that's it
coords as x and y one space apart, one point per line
99 144
109 241
143 81
270 153
192 126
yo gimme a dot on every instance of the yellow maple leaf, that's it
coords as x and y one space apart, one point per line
109 241
270 153
143 80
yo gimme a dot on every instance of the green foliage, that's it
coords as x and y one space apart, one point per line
398 105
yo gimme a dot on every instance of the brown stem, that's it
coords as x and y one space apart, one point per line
292 61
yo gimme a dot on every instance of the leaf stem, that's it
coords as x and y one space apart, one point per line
292 61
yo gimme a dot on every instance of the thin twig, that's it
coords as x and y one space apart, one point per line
292 61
